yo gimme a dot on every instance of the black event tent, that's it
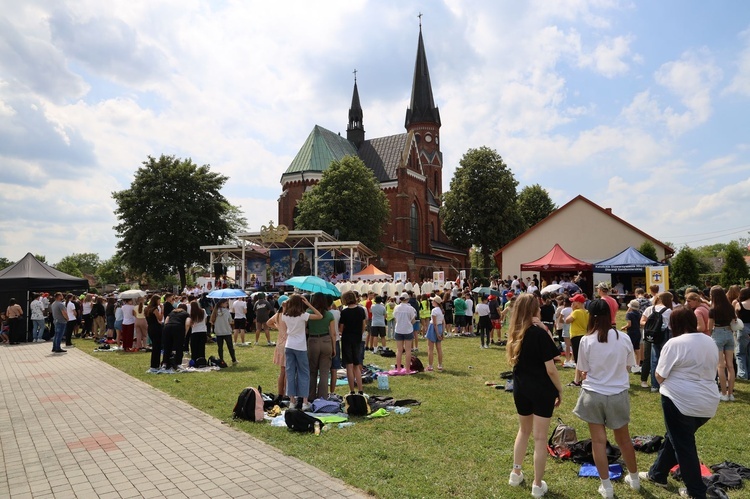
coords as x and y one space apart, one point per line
29 274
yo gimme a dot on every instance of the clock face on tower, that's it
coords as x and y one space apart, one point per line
428 138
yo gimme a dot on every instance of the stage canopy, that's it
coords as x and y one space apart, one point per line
371 273
29 274
628 261
556 260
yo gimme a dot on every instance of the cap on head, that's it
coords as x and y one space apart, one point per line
598 308
437 299
634 304
578 297
404 296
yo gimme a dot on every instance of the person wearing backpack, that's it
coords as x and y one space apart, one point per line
604 358
662 307
537 389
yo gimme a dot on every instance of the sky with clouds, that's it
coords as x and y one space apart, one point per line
640 106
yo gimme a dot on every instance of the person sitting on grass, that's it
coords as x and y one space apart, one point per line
352 325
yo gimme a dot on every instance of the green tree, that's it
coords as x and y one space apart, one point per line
86 263
5 263
69 266
648 250
172 207
349 199
481 206
534 204
685 268
735 269
41 258
112 271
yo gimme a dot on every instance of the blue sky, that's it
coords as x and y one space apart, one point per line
640 106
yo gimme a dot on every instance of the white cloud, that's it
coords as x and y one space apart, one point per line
608 58
740 83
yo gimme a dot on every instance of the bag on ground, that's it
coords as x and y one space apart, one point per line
356 405
416 364
297 420
561 440
325 406
249 405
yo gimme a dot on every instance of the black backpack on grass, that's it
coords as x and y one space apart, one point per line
356 405
297 420
249 405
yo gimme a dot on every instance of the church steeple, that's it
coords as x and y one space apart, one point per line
355 130
422 107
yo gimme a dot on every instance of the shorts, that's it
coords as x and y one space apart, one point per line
336 361
636 340
378 331
240 324
118 325
417 326
612 411
110 322
576 343
460 320
350 353
537 403
724 338
432 335
497 324
404 337
566 333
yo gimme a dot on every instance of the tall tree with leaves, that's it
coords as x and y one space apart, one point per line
534 204
735 269
685 268
481 207
78 264
348 198
172 208
648 250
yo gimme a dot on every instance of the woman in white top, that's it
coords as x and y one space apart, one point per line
128 324
686 372
220 319
297 365
604 358
435 333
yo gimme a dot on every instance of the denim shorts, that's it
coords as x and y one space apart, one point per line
724 338
404 337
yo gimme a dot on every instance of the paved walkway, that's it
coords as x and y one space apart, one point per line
73 426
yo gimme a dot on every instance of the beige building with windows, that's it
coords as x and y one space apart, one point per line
583 228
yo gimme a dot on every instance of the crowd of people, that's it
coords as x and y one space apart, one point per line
701 348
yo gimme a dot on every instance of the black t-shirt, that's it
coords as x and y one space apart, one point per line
494 314
178 318
351 319
530 374
547 313
721 319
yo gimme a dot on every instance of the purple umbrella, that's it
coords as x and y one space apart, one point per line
570 287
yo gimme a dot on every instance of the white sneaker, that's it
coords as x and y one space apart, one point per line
606 492
634 483
306 406
724 397
515 479
635 370
683 492
644 384
539 491
731 398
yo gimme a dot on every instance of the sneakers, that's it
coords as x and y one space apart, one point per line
643 476
731 397
654 389
644 384
683 492
515 479
539 491
429 368
606 492
440 368
634 483
635 369
569 364
306 406
153 370
235 362
271 344
573 383
724 397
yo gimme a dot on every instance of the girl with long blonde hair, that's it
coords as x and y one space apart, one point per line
536 386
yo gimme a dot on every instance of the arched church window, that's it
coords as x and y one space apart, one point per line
414 228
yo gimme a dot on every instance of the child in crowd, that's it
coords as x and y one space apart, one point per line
633 328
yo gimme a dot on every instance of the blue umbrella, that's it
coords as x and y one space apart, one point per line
313 285
227 293
570 287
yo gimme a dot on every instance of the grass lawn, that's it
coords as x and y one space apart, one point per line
457 443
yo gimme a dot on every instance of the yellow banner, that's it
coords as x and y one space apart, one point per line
658 276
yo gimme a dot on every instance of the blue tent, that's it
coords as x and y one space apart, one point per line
629 261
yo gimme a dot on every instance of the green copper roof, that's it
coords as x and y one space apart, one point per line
319 150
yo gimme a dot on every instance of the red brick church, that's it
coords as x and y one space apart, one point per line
409 167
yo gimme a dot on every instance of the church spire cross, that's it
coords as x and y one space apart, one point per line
355 75
420 20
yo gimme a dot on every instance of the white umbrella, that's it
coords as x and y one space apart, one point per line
131 294
551 288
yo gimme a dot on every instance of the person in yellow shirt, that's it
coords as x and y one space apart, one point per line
389 318
578 320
